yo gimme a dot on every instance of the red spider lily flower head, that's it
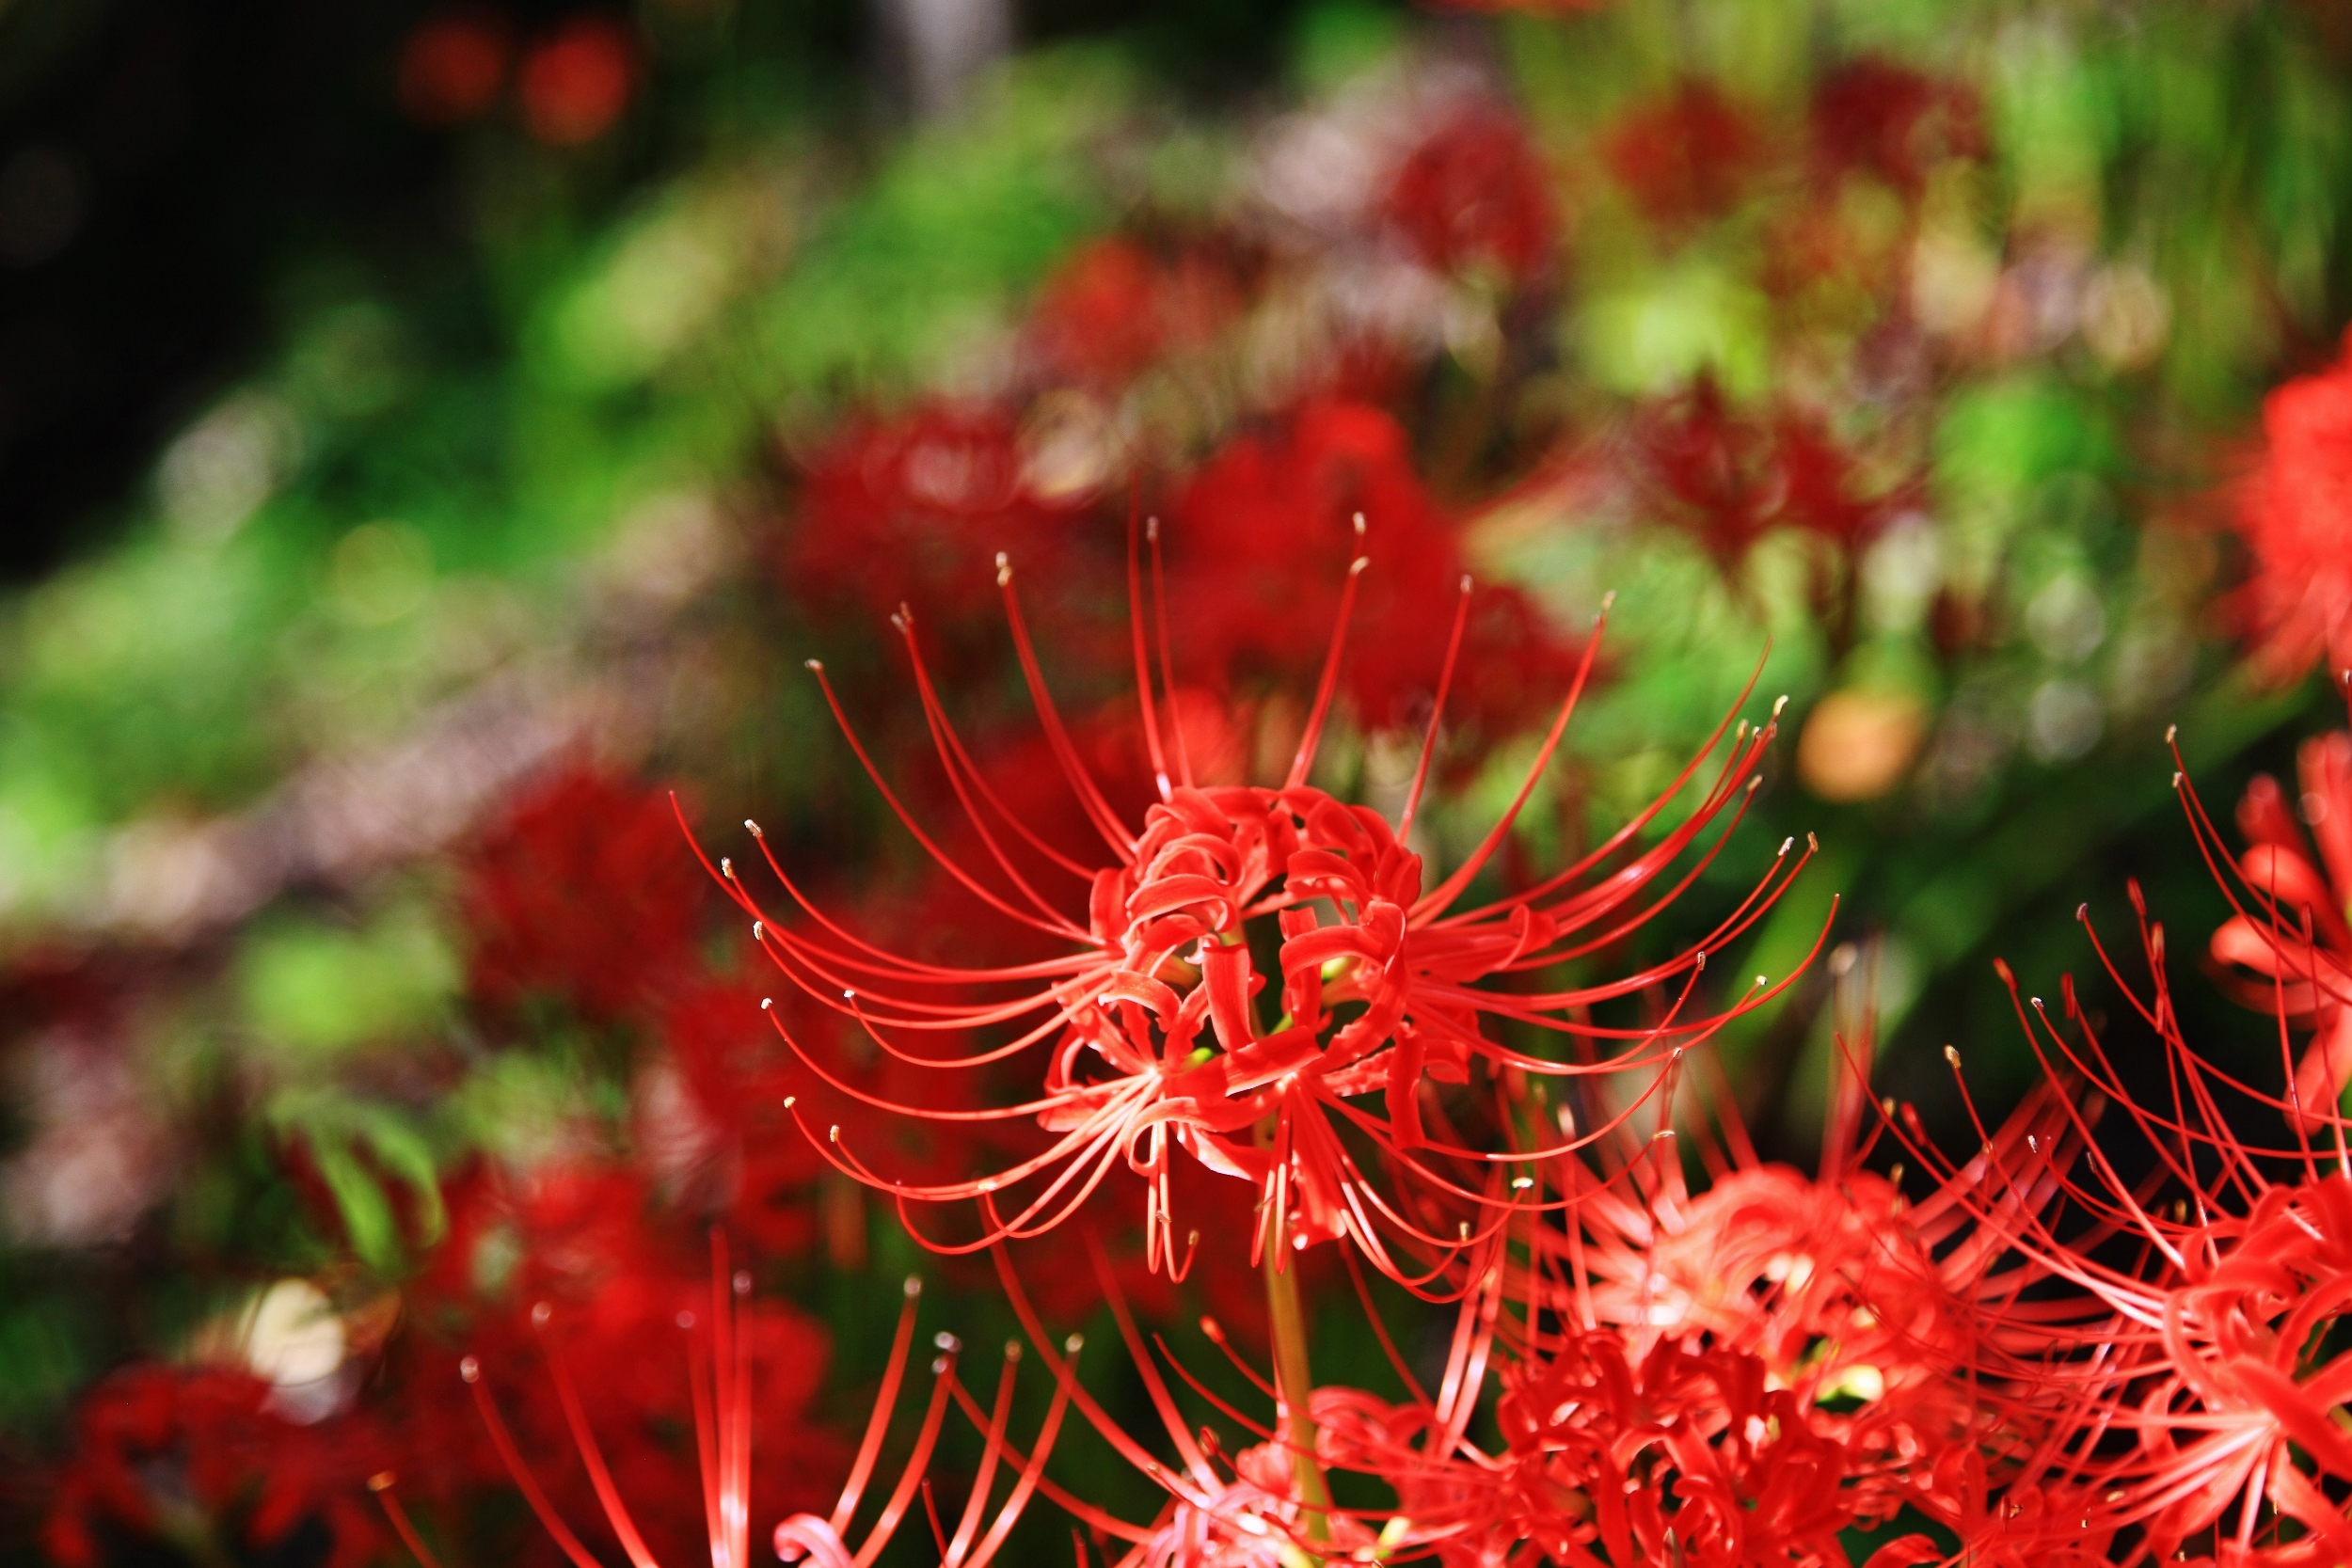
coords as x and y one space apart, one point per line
1146 995
1770 1260
153 1441
1875 115
1828 1297
1475 191
2161 1352
912 508
2293 929
2296 516
1687 157
720 1357
1688 1452
2239 1409
1261 536
571 895
1730 479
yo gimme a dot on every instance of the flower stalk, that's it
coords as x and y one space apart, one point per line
1293 1383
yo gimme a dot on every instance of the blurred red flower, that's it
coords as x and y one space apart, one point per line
582 892
1477 190
1873 115
575 1261
1097 320
575 84
750 1165
154 1440
2295 515
1730 479
1687 157
1118 303
914 510
452 66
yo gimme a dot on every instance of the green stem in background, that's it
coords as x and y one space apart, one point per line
1292 1382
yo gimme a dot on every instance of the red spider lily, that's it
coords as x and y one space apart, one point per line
576 893
720 1365
572 1265
2164 1371
2291 927
1832 1289
168 1451
1876 116
1476 192
2292 932
1149 998
913 508
1688 158
1687 1453
1730 480
180 1451
1028 782
2295 515
1255 556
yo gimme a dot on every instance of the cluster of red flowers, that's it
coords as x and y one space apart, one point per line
2110 1333
1829 463
1694 153
2022 1355
216 1426
2029 1356
1127 366
1256 545
1257 554
1151 953
1688 157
